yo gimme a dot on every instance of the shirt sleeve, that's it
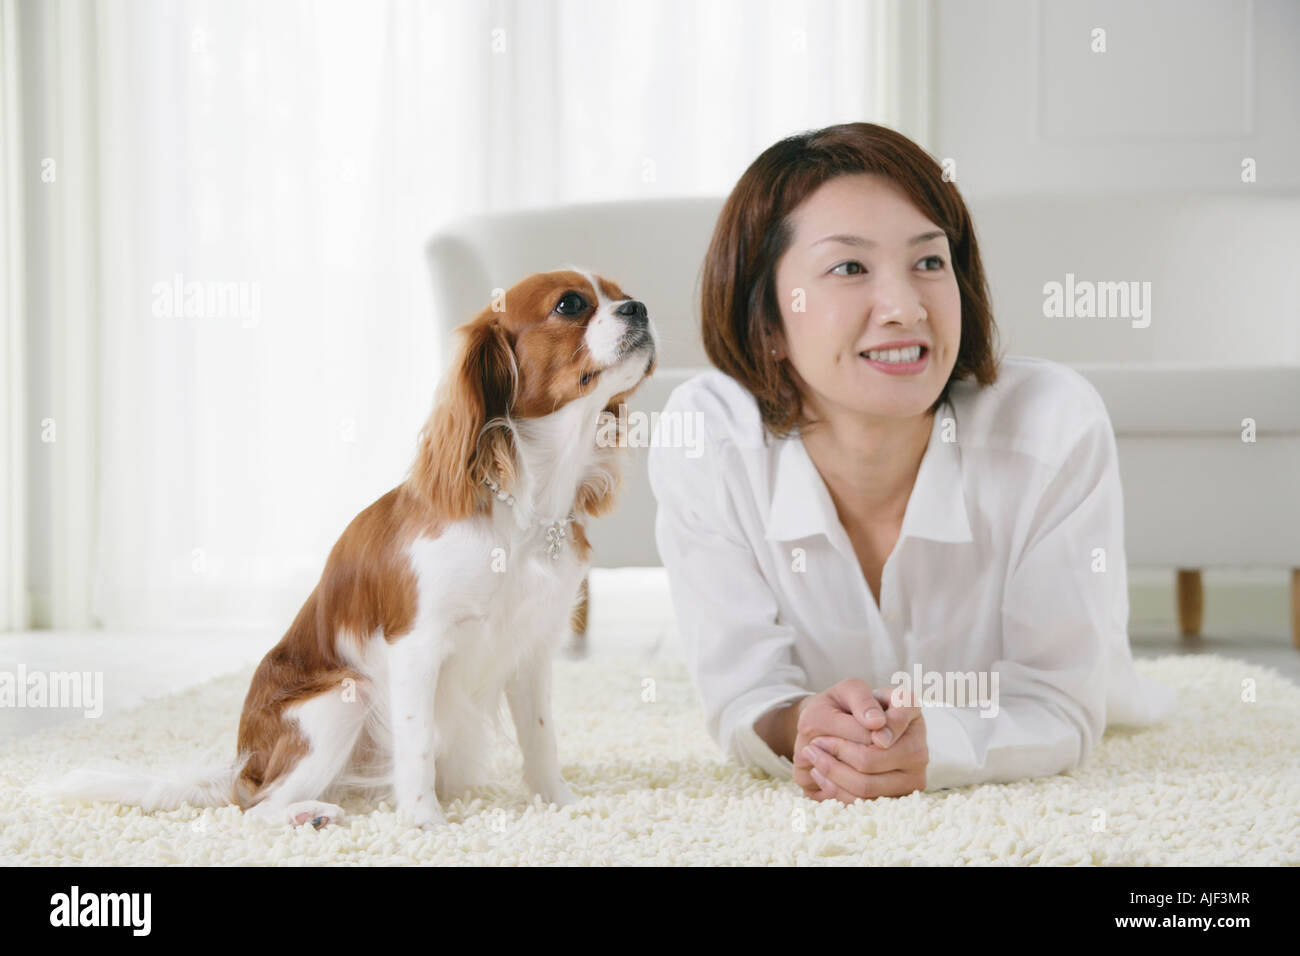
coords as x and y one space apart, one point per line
1065 604
739 655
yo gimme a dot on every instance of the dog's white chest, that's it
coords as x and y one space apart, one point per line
541 582
492 588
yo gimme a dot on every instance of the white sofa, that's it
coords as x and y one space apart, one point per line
1220 344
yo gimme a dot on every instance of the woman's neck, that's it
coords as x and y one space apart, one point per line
869 463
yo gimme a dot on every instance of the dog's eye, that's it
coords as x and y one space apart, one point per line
571 304
585 379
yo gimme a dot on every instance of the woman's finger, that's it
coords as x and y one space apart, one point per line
864 758
898 715
855 697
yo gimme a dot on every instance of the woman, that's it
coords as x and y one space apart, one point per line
882 505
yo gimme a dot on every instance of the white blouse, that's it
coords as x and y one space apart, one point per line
1007 586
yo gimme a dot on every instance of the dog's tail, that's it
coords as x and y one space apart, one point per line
204 783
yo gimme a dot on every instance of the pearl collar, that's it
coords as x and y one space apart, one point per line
556 531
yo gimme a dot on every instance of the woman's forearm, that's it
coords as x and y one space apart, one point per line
779 727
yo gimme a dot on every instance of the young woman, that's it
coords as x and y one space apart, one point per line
882 504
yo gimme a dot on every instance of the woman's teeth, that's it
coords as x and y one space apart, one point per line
895 356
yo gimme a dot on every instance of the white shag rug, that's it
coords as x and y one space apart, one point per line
1218 784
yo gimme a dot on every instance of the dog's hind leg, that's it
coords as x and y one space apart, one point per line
320 735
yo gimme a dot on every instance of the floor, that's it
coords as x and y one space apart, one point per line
630 614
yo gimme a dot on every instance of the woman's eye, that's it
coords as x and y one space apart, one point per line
937 260
571 304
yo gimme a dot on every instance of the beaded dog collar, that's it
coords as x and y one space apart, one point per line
556 531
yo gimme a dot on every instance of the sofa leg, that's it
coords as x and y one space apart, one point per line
1295 607
578 622
1191 602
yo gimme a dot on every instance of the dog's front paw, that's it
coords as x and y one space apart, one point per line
425 814
557 793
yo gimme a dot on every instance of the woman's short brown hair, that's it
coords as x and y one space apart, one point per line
739 308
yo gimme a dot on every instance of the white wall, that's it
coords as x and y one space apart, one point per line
1185 90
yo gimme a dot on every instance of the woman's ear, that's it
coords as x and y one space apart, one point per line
776 347
466 437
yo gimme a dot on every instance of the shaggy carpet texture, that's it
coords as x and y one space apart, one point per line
1219 783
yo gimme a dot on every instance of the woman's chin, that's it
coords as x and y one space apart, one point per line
894 403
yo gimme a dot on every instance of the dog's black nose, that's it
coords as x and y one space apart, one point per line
634 311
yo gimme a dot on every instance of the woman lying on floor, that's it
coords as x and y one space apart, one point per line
898 563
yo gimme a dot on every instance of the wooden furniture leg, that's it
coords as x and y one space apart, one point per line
1191 602
1295 607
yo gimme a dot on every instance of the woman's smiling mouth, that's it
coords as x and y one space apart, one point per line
898 361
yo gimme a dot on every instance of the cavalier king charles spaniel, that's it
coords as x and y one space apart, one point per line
454 587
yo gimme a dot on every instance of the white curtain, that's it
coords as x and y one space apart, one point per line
282 165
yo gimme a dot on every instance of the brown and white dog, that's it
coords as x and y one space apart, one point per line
449 590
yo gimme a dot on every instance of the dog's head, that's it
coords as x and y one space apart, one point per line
553 339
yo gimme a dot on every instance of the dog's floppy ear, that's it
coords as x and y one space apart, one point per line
466 437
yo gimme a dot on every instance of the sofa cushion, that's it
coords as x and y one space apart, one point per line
1151 398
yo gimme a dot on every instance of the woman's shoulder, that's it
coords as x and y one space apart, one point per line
1037 406
727 411
709 434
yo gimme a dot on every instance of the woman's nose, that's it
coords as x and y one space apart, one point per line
897 300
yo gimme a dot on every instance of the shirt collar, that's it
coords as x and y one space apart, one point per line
802 505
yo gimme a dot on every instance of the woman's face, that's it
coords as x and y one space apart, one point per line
886 276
